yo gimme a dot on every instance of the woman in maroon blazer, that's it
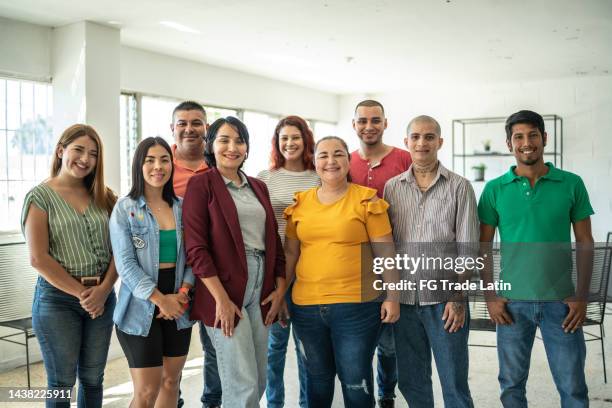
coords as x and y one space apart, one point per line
234 249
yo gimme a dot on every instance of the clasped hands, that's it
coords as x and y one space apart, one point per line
92 300
172 306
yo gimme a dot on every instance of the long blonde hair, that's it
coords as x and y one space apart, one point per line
102 196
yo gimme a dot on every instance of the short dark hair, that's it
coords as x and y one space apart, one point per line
424 118
343 143
243 133
524 116
276 158
188 106
370 103
138 181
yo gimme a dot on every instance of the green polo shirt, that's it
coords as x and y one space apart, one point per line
535 230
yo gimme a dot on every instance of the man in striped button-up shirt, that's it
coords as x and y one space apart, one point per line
432 211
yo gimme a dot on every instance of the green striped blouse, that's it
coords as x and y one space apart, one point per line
79 242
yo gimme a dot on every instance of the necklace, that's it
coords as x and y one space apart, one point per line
153 207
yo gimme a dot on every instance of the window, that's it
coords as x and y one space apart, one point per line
213 114
128 138
152 119
144 116
322 129
261 129
26 144
157 116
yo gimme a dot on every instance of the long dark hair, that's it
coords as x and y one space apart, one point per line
138 181
243 133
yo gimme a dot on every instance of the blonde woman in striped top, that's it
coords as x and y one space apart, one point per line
291 171
65 222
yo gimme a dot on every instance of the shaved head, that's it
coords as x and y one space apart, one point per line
425 118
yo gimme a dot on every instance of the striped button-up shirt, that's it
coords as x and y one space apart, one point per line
78 241
440 222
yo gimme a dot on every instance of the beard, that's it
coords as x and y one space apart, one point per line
530 162
190 149
371 141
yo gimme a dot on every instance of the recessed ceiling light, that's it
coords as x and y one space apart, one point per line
179 27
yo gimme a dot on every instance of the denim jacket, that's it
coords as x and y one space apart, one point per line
134 234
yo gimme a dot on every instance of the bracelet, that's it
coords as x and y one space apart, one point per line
186 292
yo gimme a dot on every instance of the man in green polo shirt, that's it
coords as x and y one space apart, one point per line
533 205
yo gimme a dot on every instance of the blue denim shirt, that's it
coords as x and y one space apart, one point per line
134 234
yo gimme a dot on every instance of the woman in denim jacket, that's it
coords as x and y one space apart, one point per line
151 316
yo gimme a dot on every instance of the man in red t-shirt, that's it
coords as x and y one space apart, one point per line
375 162
371 166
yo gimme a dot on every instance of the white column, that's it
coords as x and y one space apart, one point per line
85 71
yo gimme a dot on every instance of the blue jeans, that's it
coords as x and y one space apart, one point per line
277 351
566 353
211 395
242 358
419 332
72 343
338 339
386 369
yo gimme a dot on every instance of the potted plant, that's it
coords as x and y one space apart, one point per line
479 171
486 144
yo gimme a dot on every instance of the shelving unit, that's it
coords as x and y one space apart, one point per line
469 134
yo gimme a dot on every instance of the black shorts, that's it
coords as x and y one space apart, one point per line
164 339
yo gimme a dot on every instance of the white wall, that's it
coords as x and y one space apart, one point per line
158 74
144 71
585 104
25 50
32 52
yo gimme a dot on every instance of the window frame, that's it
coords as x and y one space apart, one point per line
14 234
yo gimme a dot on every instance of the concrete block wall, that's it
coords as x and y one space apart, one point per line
584 103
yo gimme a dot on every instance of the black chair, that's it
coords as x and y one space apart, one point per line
16 292
479 314
609 302
596 307
598 297
24 327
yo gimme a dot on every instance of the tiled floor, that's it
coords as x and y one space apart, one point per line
483 378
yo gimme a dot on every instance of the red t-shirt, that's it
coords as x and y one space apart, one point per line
394 163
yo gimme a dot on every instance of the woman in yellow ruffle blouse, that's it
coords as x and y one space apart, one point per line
335 314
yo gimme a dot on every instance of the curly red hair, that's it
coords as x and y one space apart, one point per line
276 158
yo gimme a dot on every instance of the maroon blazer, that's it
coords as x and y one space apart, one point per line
213 240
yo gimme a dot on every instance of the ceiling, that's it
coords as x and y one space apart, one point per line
358 46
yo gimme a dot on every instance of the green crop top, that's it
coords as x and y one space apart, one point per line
167 246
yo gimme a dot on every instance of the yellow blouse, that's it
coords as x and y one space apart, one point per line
329 269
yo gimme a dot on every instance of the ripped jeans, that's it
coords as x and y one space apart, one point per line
338 339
